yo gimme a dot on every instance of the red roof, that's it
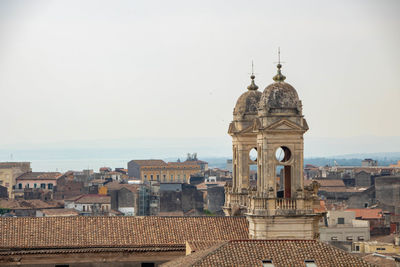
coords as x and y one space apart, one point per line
367 213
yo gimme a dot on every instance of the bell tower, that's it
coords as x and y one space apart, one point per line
279 206
244 141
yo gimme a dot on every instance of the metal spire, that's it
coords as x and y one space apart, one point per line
252 86
279 77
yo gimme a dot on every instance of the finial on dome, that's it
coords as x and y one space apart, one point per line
252 86
279 77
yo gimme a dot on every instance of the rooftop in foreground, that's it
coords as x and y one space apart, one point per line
281 253
29 234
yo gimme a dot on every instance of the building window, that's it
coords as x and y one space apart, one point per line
267 263
334 238
380 248
164 177
310 263
84 208
340 220
151 177
349 238
49 186
158 177
148 264
34 185
357 248
366 205
145 177
27 186
19 186
43 186
360 238
172 177
179 177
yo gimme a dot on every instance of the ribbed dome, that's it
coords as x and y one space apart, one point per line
248 102
279 95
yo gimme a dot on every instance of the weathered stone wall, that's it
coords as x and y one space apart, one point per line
388 190
362 179
186 199
67 188
126 198
362 199
215 199
133 169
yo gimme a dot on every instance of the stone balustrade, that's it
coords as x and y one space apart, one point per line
285 203
261 205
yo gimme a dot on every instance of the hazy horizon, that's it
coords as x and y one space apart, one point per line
161 78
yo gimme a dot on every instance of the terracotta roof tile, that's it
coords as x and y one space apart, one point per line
283 253
91 198
326 182
39 176
367 213
150 162
85 232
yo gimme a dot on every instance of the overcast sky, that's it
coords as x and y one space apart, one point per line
103 70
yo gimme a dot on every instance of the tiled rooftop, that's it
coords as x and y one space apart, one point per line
283 253
367 213
326 182
91 199
150 162
40 176
85 232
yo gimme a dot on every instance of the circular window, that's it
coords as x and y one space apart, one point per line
283 154
253 154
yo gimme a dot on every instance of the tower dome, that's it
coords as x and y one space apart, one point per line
279 97
248 102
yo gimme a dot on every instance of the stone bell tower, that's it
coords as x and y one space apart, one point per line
279 207
244 139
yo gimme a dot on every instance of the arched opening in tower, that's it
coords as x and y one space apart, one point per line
253 170
284 172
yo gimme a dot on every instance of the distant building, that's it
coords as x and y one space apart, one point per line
158 170
26 208
90 204
375 247
35 180
67 187
374 217
369 163
341 229
9 171
180 197
124 197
